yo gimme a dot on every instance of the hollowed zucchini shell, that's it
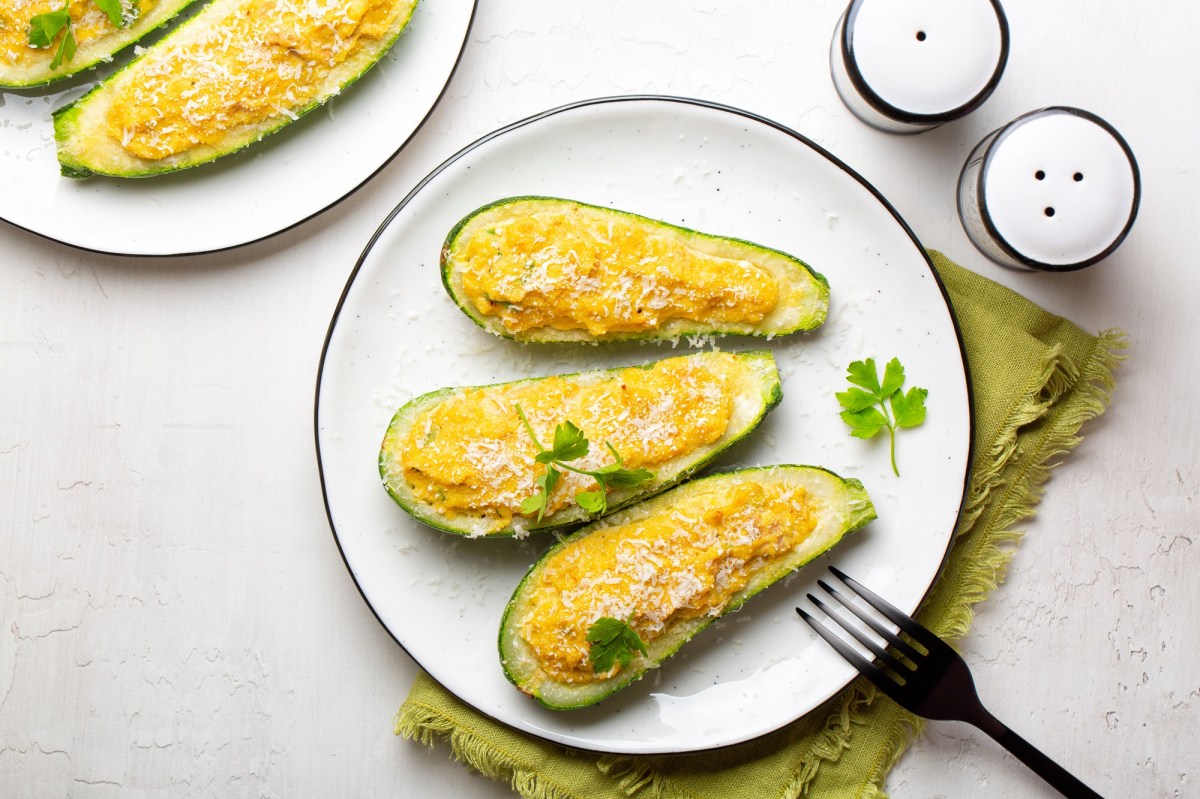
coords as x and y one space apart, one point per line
845 507
761 393
803 292
85 146
90 53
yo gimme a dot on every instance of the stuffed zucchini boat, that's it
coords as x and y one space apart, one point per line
664 570
477 460
42 41
546 269
234 73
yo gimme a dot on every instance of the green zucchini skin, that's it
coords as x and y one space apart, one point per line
788 270
848 508
85 150
90 53
755 401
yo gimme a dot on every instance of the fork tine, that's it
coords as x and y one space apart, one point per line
888 659
869 669
896 641
865 667
894 614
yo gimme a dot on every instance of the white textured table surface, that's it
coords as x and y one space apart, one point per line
177 620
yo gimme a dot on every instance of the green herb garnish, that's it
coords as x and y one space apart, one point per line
111 9
44 29
612 641
570 444
896 408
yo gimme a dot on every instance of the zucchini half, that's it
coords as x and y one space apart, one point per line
802 295
98 41
760 392
842 506
88 144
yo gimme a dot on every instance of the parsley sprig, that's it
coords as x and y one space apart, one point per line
613 641
44 28
569 445
876 404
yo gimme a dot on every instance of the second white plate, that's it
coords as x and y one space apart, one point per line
270 187
396 335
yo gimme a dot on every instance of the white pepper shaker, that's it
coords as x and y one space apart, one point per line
906 66
1054 190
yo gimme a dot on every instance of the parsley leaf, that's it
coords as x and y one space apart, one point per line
893 378
865 423
909 408
876 405
612 641
615 474
570 444
43 28
855 399
66 50
863 373
111 8
538 502
592 501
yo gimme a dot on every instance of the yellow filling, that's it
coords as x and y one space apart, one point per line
266 59
676 564
471 453
88 23
573 268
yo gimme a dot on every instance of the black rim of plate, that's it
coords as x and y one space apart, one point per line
585 104
436 102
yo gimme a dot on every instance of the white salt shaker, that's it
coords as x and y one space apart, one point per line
1055 190
906 66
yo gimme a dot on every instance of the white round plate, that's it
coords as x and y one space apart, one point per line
289 177
396 334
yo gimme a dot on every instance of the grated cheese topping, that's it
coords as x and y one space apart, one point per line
470 453
263 59
571 267
679 563
88 23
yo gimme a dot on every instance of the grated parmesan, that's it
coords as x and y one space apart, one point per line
572 268
679 563
261 60
470 454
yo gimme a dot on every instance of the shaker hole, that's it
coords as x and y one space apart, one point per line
921 36
1078 176
1040 175
1049 212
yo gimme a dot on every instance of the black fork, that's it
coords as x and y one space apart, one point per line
926 676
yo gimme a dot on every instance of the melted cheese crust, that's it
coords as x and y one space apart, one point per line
571 268
471 454
87 21
678 563
265 59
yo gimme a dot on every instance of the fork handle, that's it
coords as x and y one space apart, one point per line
1058 777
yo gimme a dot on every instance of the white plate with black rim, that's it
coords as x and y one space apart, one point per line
270 187
396 334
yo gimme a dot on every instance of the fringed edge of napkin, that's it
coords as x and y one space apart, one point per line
426 726
1014 500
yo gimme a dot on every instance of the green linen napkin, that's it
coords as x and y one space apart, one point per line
1036 379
